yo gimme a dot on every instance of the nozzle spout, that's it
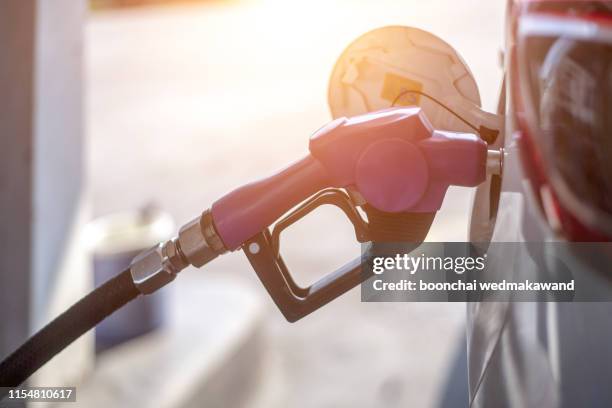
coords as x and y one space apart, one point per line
495 162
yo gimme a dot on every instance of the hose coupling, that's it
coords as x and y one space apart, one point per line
197 244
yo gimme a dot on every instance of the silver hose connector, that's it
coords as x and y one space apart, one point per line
197 244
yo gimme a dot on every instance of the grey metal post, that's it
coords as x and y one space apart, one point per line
42 208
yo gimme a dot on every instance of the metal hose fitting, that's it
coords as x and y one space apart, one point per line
197 244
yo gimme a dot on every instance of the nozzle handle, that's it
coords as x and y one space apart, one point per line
247 210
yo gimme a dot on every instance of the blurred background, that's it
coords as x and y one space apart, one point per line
185 100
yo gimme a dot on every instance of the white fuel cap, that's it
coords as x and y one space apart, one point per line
404 66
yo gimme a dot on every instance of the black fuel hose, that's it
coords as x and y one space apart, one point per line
66 328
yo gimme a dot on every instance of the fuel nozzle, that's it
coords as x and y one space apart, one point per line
392 159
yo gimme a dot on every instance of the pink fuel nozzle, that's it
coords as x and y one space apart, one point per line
393 158
395 165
